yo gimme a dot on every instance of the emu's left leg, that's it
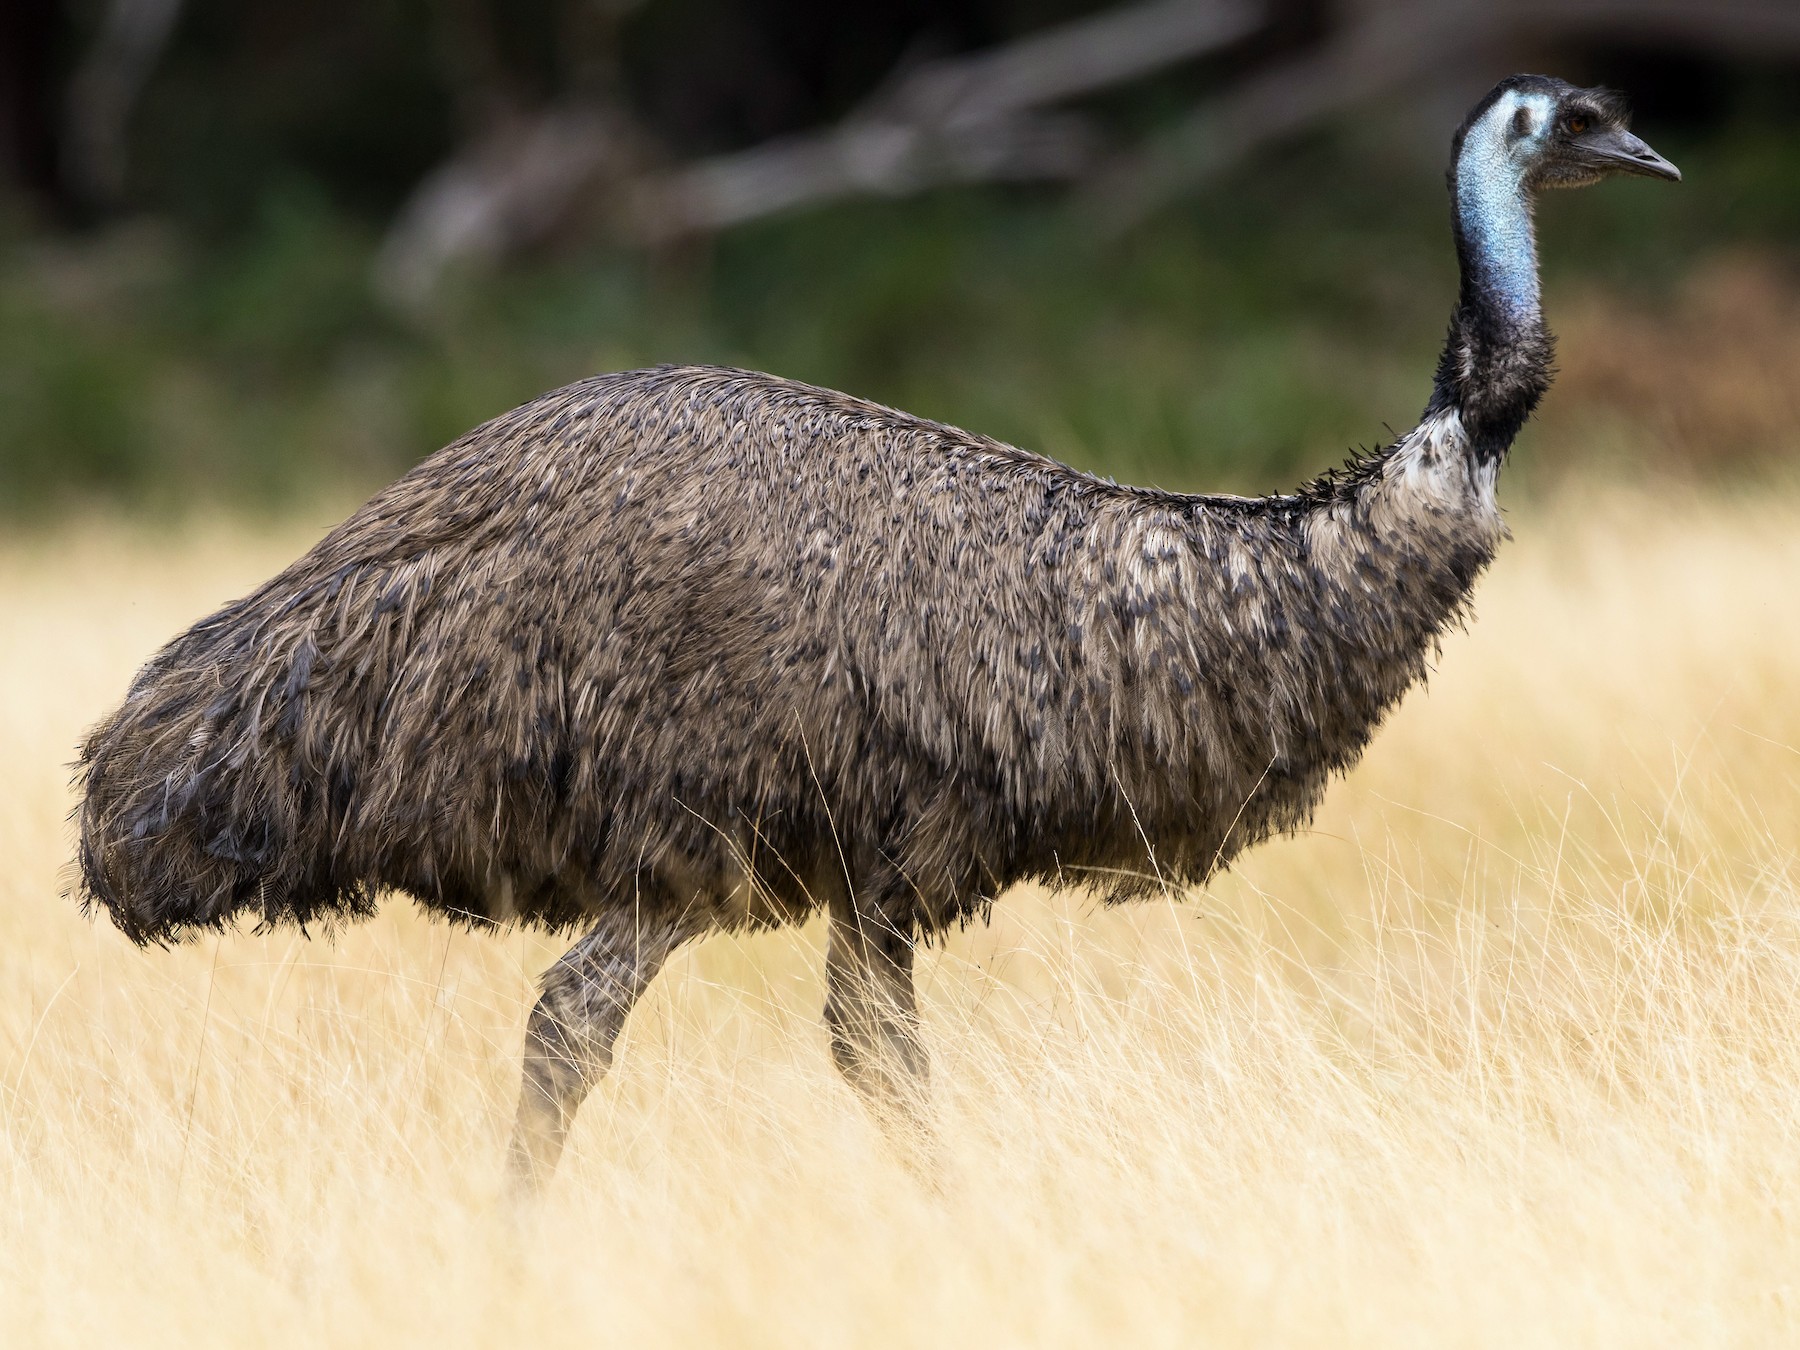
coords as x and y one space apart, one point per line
569 1038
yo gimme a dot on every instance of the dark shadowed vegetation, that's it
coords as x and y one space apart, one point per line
211 332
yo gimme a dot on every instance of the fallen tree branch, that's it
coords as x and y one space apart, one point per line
992 116
1385 45
862 157
979 118
962 119
513 188
107 83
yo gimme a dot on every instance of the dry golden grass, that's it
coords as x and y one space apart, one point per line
1505 1052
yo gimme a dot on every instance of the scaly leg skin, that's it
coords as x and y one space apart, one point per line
874 1019
569 1038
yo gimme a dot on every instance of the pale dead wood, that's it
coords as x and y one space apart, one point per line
980 118
131 40
1383 44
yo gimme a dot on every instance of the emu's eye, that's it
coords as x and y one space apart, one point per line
1575 123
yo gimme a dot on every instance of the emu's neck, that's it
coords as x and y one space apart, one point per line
1496 361
1384 555
1277 639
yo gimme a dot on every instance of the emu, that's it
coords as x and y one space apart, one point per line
690 649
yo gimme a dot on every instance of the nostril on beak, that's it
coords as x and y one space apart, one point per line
1637 157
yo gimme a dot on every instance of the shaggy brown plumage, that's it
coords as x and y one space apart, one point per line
697 629
694 648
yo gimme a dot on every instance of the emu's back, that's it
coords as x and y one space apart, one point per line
668 633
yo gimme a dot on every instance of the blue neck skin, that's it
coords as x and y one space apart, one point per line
1496 361
1495 237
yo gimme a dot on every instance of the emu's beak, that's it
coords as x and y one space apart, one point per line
1622 152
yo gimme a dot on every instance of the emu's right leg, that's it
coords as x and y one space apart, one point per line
870 1008
569 1038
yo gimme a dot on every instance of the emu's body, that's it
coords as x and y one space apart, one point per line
689 649
690 633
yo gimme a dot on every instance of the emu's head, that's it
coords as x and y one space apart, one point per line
1541 132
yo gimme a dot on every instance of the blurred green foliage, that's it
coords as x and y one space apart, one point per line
1245 338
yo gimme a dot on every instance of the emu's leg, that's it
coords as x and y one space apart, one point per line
870 1009
569 1038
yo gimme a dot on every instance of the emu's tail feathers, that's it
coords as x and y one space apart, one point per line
196 808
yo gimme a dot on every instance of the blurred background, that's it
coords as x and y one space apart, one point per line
254 251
